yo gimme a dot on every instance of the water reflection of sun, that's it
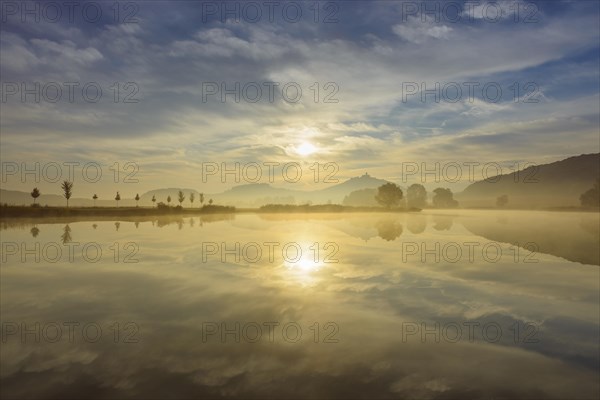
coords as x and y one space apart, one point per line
305 270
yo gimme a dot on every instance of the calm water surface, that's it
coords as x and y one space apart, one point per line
465 304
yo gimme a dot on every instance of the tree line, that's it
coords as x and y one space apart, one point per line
67 189
388 195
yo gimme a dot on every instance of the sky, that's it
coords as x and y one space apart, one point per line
367 72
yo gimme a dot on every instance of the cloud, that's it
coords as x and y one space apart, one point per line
494 11
416 31
368 55
66 51
15 54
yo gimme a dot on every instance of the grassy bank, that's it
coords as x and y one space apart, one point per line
35 212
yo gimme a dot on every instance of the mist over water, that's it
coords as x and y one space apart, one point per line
437 304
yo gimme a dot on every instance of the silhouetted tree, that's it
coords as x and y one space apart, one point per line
153 199
201 198
192 198
137 199
501 201
95 197
444 198
117 226
210 202
117 198
67 188
416 196
35 193
169 200
181 197
591 198
389 195
35 231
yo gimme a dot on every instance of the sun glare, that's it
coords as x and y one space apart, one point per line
306 149
306 265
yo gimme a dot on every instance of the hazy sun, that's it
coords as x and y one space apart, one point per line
306 149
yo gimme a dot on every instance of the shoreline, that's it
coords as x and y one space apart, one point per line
28 212
9 212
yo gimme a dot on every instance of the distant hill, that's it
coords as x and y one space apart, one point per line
549 185
337 192
361 198
256 195
18 198
558 184
249 195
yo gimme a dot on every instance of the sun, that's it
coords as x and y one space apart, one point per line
306 149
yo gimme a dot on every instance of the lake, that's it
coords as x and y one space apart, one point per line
438 304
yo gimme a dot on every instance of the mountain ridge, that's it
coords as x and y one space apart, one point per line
254 195
556 184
